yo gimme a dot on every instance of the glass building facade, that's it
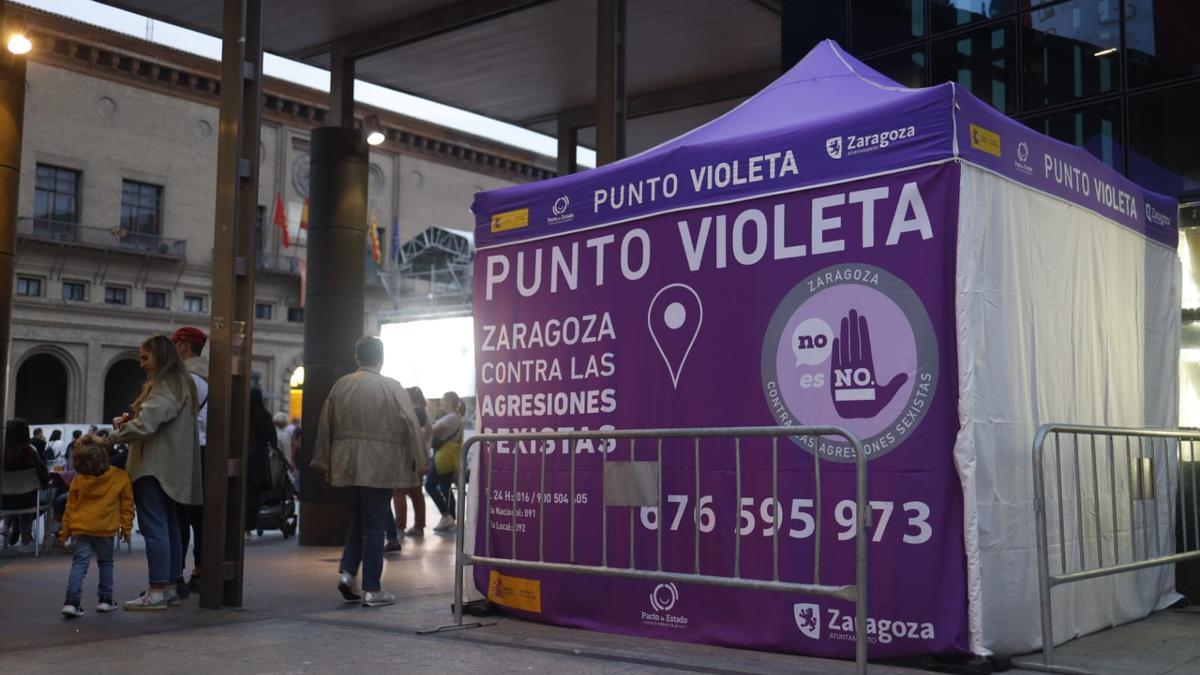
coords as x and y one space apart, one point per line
1120 78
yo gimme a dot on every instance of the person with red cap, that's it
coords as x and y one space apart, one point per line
189 343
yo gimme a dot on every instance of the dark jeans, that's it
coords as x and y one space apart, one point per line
439 487
85 547
191 531
369 513
159 525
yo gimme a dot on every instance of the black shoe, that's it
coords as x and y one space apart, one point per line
193 584
182 590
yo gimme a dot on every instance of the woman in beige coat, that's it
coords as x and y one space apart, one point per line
164 465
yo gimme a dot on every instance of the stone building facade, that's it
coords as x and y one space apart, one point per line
116 212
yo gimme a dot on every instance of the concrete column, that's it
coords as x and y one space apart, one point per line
333 307
12 112
611 108
93 382
568 138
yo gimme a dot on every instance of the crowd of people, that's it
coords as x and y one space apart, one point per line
375 439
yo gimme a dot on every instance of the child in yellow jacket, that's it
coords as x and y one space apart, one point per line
99 506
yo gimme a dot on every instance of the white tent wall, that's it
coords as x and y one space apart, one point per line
1062 316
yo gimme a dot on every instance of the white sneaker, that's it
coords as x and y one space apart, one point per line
107 607
378 598
72 611
348 587
446 524
417 532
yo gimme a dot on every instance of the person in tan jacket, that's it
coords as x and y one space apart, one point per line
368 443
99 506
164 465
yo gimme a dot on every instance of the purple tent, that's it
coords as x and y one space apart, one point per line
909 264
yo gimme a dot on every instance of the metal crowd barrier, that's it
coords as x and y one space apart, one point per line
856 593
1142 470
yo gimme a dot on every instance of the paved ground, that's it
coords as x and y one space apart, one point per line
293 623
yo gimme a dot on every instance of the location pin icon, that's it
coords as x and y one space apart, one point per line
674 320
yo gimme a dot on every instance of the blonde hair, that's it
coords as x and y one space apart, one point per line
169 371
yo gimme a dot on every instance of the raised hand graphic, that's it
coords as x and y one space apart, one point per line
855 389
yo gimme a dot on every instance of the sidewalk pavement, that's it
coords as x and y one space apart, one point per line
294 622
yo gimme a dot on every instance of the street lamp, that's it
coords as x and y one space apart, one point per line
375 138
19 44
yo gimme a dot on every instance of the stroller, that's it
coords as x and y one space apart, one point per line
277 509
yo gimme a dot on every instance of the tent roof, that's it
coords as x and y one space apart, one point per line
828 119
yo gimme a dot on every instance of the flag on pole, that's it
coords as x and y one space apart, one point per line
373 228
304 215
395 240
281 221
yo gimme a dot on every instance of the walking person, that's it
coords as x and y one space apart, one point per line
99 507
258 456
414 493
367 442
189 344
447 452
164 465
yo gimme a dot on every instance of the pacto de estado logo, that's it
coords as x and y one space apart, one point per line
664 597
662 601
850 346
560 211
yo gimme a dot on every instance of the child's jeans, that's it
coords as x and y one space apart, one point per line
85 547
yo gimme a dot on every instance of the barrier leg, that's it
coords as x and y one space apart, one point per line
460 562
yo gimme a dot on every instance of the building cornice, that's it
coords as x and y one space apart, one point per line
73 45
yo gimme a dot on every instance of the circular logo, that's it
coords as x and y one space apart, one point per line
561 205
1022 151
850 346
664 597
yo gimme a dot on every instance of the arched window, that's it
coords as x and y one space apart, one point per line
41 395
121 387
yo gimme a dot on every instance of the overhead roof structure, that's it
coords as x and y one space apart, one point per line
527 61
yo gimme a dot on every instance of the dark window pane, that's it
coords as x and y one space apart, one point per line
41 205
1070 52
29 286
73 290
906 67
55 195
116 296
879 24
141 210
1165 152
296 314
951 14
1096 128
156 299
1160 40
983 61
193 303
262 311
